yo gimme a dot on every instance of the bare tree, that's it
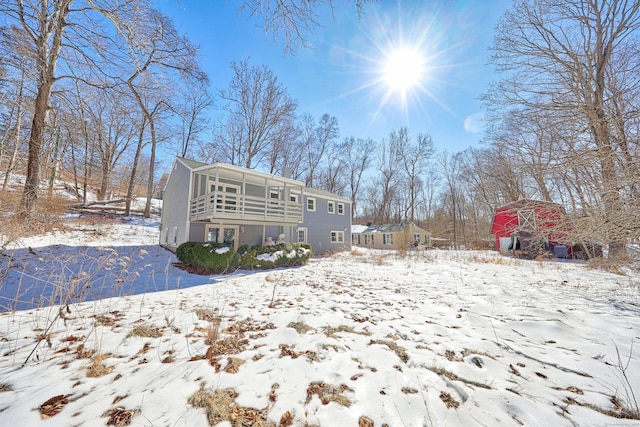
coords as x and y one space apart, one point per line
357 155
191 104
382 190
563 58
413 158
293 20
259 112
156 50
319 140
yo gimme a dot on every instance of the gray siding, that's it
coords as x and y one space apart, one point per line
251 236
321 223
197 232
175 215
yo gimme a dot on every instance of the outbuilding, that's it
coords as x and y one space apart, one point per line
536 222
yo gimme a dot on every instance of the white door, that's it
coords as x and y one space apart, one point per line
504 244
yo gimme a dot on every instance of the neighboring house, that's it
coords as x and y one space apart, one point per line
390 236
229 204
534 221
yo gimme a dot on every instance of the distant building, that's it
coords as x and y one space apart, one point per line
390 236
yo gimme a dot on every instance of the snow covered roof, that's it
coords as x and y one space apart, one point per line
382 228
357 228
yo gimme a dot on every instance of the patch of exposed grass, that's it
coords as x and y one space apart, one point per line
454 377
285 350
300 327
145 331
229 345
401 352
207 314
97 368
220 406
332 332
119 417
328 393
619 410
449 400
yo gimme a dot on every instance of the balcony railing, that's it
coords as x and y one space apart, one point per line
223 205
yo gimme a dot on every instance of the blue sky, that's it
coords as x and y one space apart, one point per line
343 74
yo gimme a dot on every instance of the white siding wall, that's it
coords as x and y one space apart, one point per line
175 209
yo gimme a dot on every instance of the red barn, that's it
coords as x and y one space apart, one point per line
532 218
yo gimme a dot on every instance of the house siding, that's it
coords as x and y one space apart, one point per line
175 216
190 180
321 223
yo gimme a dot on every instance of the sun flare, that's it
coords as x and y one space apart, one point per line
404 69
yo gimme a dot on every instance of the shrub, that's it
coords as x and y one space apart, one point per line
204 256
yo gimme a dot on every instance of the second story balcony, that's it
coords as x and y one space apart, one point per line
235 194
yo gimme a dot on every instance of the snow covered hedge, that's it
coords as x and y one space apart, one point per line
219 258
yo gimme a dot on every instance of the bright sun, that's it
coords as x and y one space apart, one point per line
404 69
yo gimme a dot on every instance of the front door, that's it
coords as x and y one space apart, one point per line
223 234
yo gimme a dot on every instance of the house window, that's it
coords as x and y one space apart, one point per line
274 194
311 204
294 197
220 234
416 237
174 233
368 239
337 237
302 235
331 207
213 234
387 239
226 197
340 208
355 239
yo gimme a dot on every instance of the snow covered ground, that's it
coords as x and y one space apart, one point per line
437 338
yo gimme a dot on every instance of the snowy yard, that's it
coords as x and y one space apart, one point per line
437 338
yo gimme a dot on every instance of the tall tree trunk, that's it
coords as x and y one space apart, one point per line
152 160
134 168
17 129
50 28
54 164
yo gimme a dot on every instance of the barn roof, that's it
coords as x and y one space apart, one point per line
529 203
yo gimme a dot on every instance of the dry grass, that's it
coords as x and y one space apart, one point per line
119 417
382 259
449 400
300 327
97 368
145 331
332 332
453 377
399 351
220 406
602 264
207 314
328 393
